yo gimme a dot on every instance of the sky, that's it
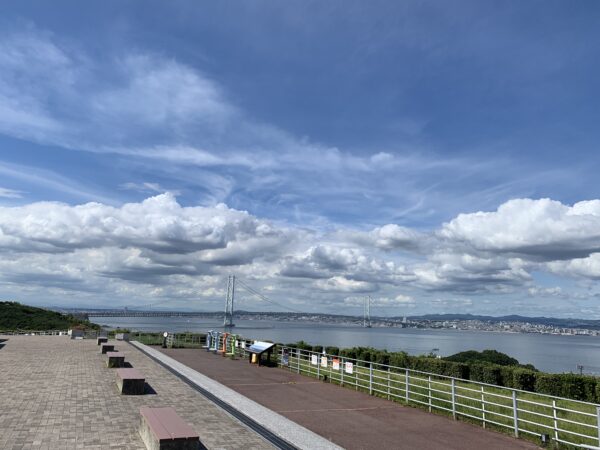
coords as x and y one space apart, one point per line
439 157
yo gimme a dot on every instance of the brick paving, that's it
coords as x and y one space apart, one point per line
57 393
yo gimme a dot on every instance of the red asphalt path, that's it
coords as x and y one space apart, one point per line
353 420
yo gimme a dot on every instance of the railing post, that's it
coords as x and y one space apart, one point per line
515 413
453 399
598 423
483 404
406 382
429 391
298 360
555 416
318 367
388 383
370 378
343 369
330 367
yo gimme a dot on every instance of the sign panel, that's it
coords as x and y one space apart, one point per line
260 347
323 361
335 364
349 367
285 357
313 360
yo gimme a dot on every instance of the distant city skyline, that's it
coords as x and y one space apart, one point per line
440 158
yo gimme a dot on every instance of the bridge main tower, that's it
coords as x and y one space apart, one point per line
228 318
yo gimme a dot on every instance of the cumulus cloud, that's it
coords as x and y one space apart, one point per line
328 261
388 237
587 268
160 243
159 224
342 284
538 229
139 241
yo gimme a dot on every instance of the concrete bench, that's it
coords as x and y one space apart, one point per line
105 348
115 359
101 340
163 429
130 381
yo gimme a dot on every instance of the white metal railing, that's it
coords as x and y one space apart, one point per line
563 420
34 332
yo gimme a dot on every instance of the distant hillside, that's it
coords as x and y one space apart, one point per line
565 323
15 316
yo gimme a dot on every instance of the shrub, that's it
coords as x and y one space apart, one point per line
488 356
399 359
578 387
332 350
382 358
303 345
546 383
348 353
523 379
492 374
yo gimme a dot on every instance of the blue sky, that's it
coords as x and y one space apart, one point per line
438 157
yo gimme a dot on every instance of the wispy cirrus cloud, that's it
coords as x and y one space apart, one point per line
162 116
10 193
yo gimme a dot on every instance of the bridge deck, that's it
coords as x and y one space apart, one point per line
351 419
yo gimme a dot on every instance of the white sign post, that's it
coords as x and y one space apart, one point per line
349 367
335 364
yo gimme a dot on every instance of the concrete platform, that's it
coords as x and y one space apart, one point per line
353 420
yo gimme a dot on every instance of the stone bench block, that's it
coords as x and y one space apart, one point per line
163 429
105 348
101 340
130 382
115 359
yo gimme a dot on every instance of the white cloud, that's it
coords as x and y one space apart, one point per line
341 284
10 193
540 229
158 248
579 267
404 299
537 291
155 230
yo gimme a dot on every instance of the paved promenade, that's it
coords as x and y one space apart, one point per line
57 393
350 419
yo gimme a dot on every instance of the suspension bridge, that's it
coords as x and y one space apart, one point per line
233 283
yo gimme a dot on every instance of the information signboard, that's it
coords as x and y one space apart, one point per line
323 361
349 367
313 360
335 364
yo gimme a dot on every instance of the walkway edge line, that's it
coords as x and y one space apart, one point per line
275 423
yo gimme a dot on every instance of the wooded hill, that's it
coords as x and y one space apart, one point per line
15 316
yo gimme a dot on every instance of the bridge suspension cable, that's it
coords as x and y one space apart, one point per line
264 297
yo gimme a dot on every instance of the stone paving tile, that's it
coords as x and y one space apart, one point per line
57 393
